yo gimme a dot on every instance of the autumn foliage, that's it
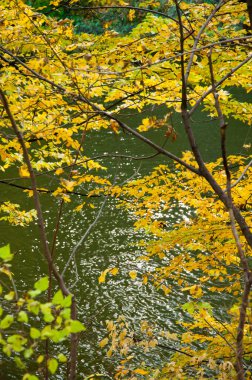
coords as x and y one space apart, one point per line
57 87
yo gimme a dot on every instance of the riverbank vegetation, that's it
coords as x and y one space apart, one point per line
60 88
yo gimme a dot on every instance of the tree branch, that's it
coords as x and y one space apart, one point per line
83 238
186 122
244 262
242 175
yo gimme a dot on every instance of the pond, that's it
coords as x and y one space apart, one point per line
111 242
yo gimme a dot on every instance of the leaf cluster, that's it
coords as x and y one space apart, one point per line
27 322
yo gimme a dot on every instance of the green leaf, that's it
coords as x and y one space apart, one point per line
67 301
76 326
48 317
52 365
34 333
66 313
19 362
40 359
34 293
58 298
58 336
42 284
22 316
58 321
62 358
5 253
46 332
10 296
27 376
205 305
7 349
6 322
47 312
17 341
189 307
34 307
28 353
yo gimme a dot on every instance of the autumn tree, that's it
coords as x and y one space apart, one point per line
58 86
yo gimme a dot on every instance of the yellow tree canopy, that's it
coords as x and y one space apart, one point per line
57 86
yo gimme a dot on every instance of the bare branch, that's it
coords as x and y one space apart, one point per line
242 175
83 238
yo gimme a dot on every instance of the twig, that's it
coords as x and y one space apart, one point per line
242 175
220 335
83 238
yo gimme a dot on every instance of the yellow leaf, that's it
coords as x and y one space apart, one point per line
110 352
103 275
195 290
114 271
165 289
69 185
131 15
6 271
103 342
180 281
29 192
133 274
59 171
69 33
24 172
79 208
141 371
145 279
114 126
55 2
110 325
65 198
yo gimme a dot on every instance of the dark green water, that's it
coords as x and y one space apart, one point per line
110 241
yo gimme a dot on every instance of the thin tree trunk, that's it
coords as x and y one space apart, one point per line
43 237
249 8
